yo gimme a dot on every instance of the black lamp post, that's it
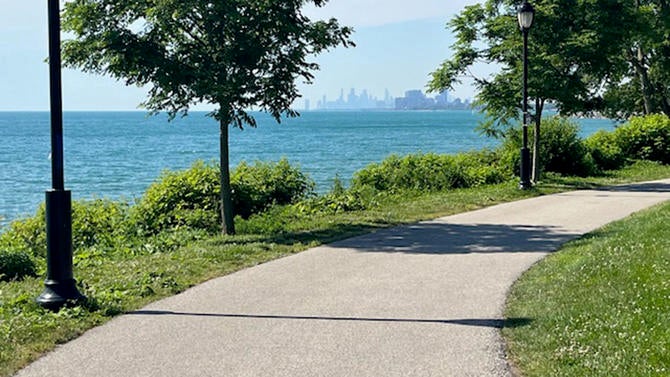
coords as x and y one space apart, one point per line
60 288
526 14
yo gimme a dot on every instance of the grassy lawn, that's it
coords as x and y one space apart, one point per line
120 281
600 306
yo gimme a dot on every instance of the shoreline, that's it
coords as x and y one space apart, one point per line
117 155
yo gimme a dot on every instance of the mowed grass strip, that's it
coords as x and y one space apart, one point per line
600 306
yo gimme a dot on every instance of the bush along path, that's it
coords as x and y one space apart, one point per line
129 255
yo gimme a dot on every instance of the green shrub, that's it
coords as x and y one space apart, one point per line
645 138
27 235
182 198
483 167
561 149
97 222
606 153
190 198
509 153
415 171
258 187
354 199
431 172
15 266
94 222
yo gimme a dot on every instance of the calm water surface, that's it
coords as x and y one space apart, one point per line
118 154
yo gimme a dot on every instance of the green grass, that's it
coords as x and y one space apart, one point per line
639 171
600 306
117 281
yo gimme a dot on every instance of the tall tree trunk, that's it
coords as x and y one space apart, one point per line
665 105
539 106
647 88
637 60
227 218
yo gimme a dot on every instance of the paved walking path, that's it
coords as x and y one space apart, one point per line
420 300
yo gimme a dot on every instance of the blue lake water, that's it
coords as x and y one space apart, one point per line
118 154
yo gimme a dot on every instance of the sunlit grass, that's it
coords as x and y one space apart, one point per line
600 306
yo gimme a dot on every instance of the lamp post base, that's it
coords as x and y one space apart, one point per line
57 294
525 183
60 288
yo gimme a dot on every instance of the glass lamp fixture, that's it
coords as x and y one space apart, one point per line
526 15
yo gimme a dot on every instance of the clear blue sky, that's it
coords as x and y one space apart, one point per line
398 44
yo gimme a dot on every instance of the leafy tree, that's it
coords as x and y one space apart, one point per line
573 49
235 54
642 83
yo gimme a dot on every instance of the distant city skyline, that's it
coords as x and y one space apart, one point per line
356 100
417 100
397 47
412 99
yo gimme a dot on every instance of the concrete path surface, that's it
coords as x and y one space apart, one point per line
420 300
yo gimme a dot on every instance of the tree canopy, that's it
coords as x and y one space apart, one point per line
577 49
232 53
642 83
235 54
573 45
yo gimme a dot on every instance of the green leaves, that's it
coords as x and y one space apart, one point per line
236 54
16 265
575 48
646 138
431 172
585 57
190 198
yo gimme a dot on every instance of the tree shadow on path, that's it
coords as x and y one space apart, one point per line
659 187
442 238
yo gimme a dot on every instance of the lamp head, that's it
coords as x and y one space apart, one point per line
526 14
